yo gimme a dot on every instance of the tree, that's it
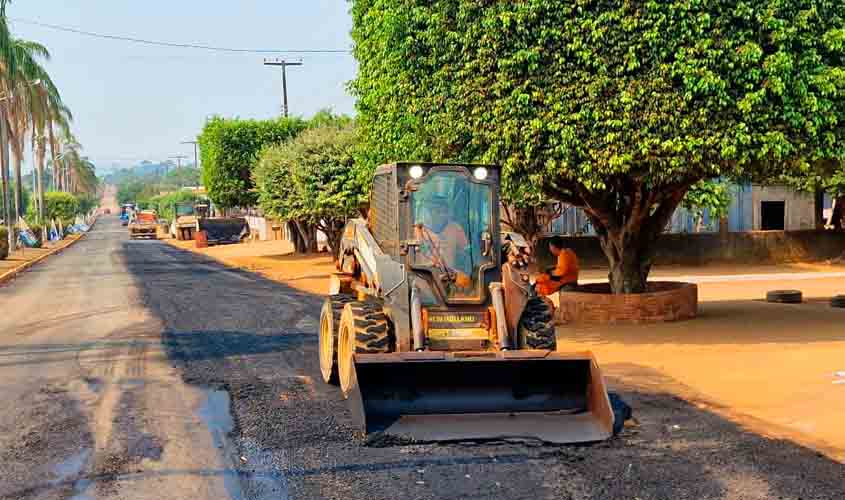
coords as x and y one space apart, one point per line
130 192
229 149
311 181
165 203
707 196
618 107
61 206
526 211
182 177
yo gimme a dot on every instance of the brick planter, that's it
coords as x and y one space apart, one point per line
594 304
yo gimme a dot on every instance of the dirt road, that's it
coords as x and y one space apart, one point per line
138 370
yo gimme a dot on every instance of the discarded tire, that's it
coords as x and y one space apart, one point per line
838 301
785 296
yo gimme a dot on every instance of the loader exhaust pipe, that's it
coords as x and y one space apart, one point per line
498 294
417 321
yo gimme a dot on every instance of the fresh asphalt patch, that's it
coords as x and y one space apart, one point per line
229 330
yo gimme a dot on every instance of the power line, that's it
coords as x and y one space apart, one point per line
178 45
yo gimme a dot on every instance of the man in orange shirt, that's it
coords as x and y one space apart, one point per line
564 276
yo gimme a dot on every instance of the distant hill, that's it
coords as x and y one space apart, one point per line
146 171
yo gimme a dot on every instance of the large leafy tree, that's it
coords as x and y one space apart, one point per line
229 149
311 180
615 106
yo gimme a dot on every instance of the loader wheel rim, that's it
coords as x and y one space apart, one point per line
344 358
327 347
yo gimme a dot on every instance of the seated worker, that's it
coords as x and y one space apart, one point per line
443 242
564 276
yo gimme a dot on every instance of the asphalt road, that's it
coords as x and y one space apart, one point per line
137 370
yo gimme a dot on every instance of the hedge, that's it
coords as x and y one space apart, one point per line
229 149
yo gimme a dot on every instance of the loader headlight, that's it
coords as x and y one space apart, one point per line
480 173
416 172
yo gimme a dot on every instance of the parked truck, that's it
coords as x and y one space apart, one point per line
186 217
143 224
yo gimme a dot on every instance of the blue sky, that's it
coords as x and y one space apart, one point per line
133 102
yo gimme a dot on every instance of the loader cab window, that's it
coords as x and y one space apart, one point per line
452 223
183 210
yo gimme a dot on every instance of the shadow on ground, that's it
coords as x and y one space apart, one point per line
257 339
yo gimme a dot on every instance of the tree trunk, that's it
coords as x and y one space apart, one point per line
309 236
295 238
818 209
41 152
628 224
629 262
4 166
19 208
333 230
838 212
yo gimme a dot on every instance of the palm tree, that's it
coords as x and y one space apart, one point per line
23 109
48 111
30 107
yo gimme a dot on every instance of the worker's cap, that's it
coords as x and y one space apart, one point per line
439 201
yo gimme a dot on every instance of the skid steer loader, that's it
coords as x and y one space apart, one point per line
432 337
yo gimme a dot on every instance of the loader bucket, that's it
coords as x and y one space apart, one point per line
553 397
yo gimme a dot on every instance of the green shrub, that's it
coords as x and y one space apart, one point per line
230 149
87 203
61 206
164 204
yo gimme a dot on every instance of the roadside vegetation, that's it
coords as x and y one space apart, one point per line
229 151
136 187
311 181
34 118
614 107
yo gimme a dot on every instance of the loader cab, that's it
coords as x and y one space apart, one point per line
444 227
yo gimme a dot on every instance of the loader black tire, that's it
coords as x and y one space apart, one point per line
838 301
329 328
536 329
364 329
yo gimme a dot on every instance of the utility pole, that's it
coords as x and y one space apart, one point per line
284 64
196 152
179 159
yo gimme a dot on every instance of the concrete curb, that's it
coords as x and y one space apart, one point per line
13 273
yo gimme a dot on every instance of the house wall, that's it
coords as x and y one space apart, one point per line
754 247
799 206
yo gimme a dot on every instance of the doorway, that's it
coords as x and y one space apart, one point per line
773 215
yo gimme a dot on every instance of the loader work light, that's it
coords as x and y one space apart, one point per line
480 173
416 172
